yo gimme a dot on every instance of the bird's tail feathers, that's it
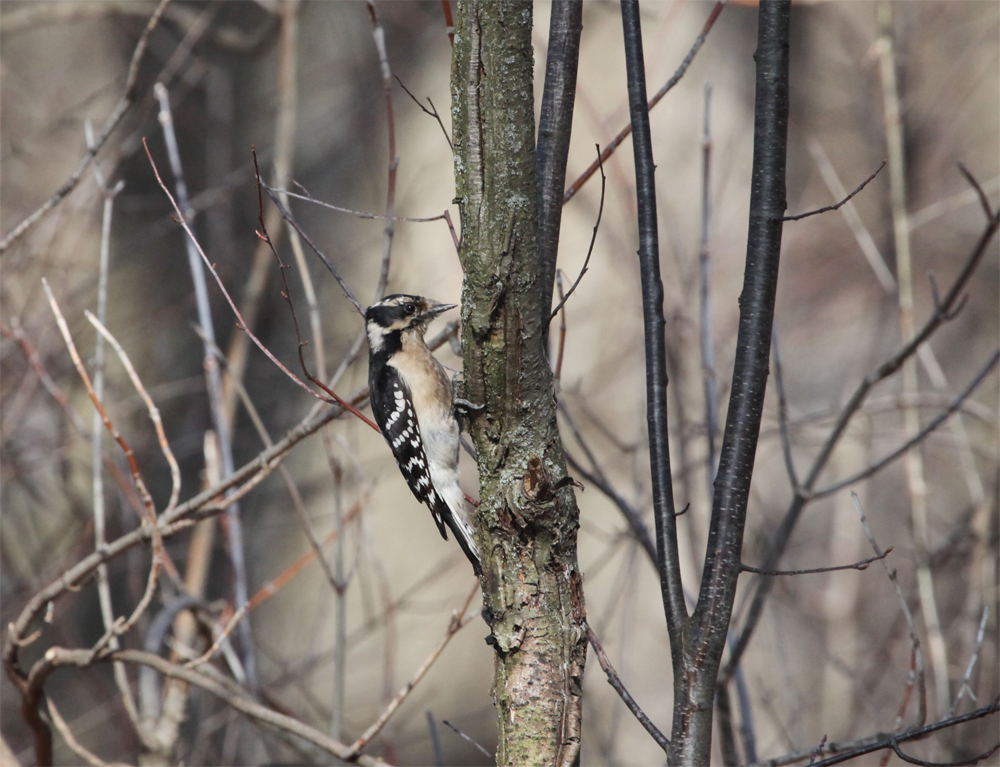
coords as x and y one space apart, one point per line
455 518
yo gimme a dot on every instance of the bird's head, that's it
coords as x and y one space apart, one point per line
399 314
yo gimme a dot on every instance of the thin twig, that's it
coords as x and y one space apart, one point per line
964 687
183 516
916 480
218 686
917 438
854 748
557 371
74 745
348 293
627 699
590 250
432 111
599 480
120 625
904 605
241 325
127 99
674 79
223 635
213 379
378 33
97 437
853 219
154 413
457 622
457 731
786 437
847 412
862 565
283 472
709 384
277 583
836 206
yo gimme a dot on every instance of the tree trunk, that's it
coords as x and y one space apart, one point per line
527 519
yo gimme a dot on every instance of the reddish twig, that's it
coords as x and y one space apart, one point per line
627 130
457 622
281 580
154 413
449 22
241 324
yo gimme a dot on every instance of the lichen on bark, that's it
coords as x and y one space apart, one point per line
527 519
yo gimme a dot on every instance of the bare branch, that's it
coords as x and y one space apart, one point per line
852 749
674 79
590 250
964 687
109 125
627 699
241 324
905 607
454 729
842 202
917 438
862 565
432 111
457 622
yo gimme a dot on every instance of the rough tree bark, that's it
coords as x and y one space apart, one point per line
527 520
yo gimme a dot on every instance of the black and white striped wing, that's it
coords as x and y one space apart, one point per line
394 412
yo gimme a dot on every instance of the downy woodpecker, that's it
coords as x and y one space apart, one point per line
414 407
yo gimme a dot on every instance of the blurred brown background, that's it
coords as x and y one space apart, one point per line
832 654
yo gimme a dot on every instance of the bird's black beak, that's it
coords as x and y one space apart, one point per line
435 310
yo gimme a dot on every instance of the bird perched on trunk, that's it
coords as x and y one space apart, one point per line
414 406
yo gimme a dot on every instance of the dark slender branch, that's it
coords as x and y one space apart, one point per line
457 731
432 111
973 760
786 437
631 514
555 124
878 742
862 565
782 535
980 192
615 681
590 250
654 329
767 204
916 438
322 257
828 208
674 79
707 348
435 738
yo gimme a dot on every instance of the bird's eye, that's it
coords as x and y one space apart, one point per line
410 308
